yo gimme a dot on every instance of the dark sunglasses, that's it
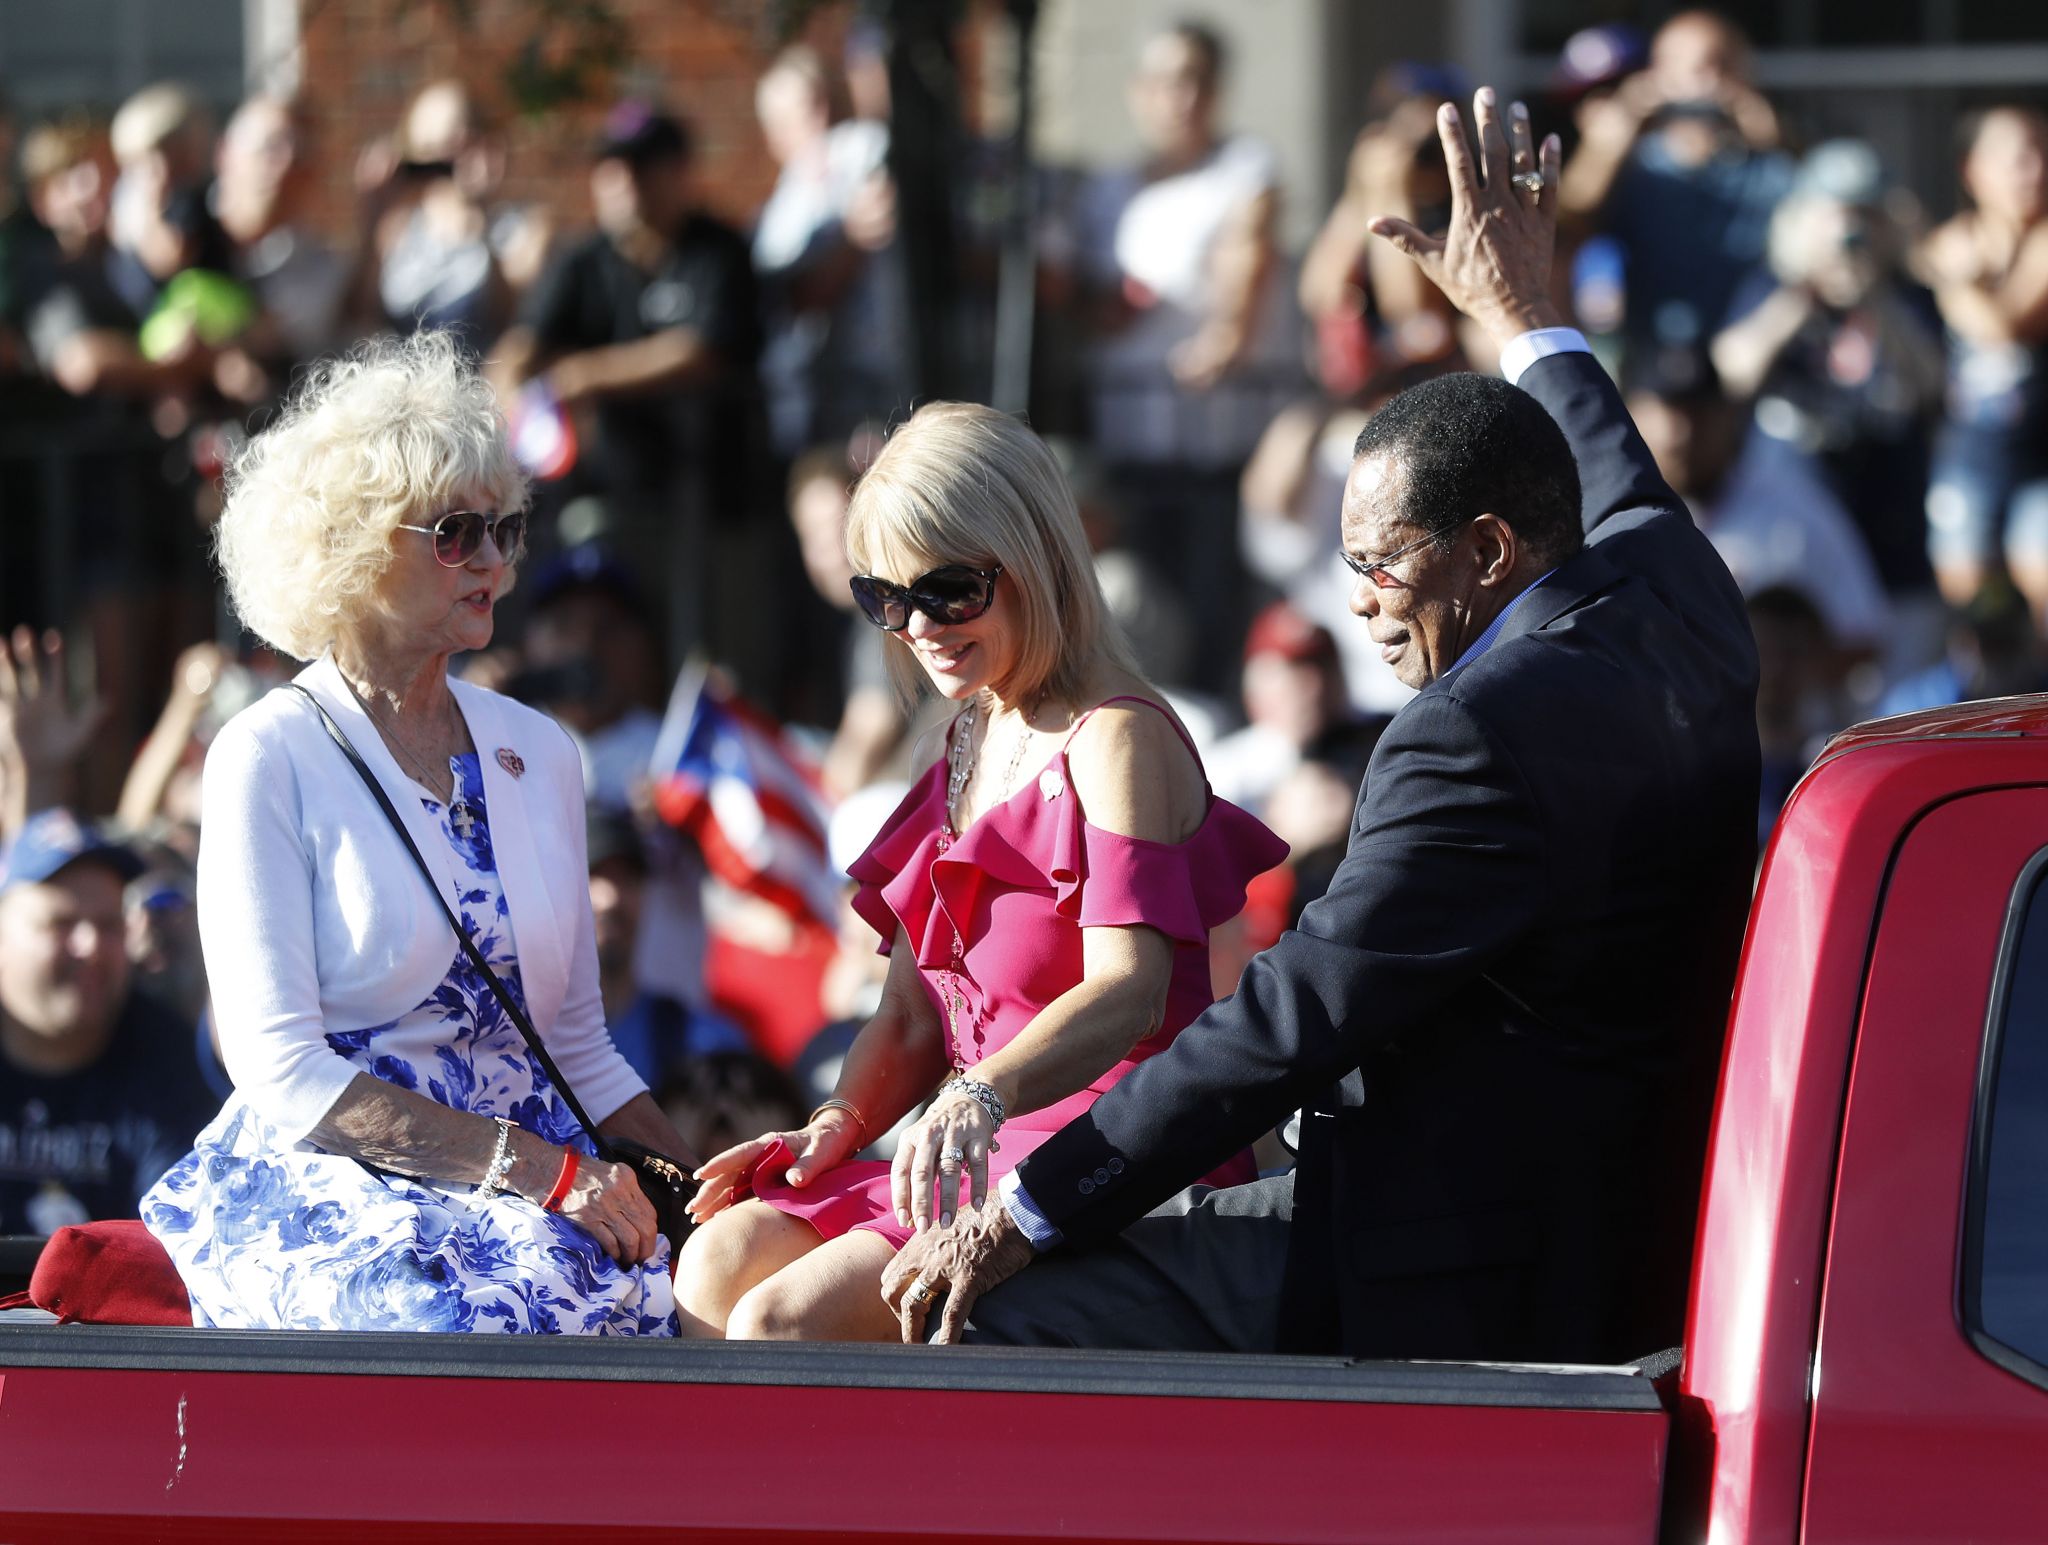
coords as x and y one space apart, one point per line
459 536
952 594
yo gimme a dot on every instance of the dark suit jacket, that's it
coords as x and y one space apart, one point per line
1503 1021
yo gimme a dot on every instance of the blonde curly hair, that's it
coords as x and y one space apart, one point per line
394 432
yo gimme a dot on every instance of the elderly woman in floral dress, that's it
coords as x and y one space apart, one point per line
394 1157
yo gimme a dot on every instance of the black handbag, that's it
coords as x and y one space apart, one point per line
665 1182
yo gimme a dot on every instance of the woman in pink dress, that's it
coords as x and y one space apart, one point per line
1044 892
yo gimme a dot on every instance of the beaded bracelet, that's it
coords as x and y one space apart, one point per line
982 1095
501 1159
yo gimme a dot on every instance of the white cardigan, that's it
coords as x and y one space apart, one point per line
313 917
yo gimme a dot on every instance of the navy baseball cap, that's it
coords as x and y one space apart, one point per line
52 839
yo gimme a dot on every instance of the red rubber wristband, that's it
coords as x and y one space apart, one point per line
563 1181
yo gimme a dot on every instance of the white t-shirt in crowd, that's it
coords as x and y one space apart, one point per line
1157 239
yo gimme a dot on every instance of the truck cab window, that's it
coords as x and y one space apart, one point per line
2005 1289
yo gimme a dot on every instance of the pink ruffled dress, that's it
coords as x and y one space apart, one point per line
1015 890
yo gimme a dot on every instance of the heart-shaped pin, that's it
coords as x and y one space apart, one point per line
1050 783
510 761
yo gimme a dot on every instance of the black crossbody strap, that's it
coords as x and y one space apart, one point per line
476 956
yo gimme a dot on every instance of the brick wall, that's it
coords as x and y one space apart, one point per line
364 59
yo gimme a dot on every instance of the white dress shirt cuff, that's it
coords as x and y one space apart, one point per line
1025 1214
1520 352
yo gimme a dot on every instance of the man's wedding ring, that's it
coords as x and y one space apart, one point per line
1530 183
921 1293
953 1156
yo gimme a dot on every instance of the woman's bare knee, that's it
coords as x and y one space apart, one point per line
770 1311
734 1252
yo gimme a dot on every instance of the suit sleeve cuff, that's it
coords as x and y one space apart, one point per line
1522 351
1025 1214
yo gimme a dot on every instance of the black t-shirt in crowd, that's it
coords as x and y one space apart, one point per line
593 296
86 1145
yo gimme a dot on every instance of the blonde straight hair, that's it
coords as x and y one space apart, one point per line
959 483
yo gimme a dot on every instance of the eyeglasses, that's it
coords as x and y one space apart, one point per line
459 535
951 594
1378 570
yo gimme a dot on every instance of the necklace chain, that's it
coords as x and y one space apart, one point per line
430 781
961 764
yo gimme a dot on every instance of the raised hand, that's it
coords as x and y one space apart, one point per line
40 730
1493 263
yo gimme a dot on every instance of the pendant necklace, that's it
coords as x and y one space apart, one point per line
461 814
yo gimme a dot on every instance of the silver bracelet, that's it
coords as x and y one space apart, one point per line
982 1095
501 1159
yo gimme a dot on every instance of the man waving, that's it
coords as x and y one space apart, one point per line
1503 1021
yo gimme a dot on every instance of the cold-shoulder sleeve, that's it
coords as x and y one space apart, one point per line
1183 889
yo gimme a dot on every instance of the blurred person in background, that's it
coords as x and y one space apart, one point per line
1680 166
1154 617
654 1031
99 1093
1774 523
872 725
1799 698
431 260
1988 501
1182 272
824 249
1370 307
1589 278
590 656
163 141
646 333
1993 650
1839 353
1297 710
260 189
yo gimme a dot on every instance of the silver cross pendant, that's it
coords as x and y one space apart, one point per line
463 819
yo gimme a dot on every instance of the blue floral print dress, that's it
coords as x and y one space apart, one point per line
273 1235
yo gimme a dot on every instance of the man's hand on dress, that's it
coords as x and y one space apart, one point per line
981 1249
1494 261
829 1140
954 1137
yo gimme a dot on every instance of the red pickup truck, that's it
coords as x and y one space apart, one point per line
1866 1353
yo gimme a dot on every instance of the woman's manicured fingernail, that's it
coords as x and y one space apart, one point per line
1448 112
1520 110
902 1219
945 1219
1486 96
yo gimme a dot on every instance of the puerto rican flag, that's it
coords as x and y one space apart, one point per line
725 775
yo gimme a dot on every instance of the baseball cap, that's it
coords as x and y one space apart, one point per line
1282 630
640 133
51 839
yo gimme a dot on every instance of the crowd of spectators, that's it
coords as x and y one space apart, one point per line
1850 396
